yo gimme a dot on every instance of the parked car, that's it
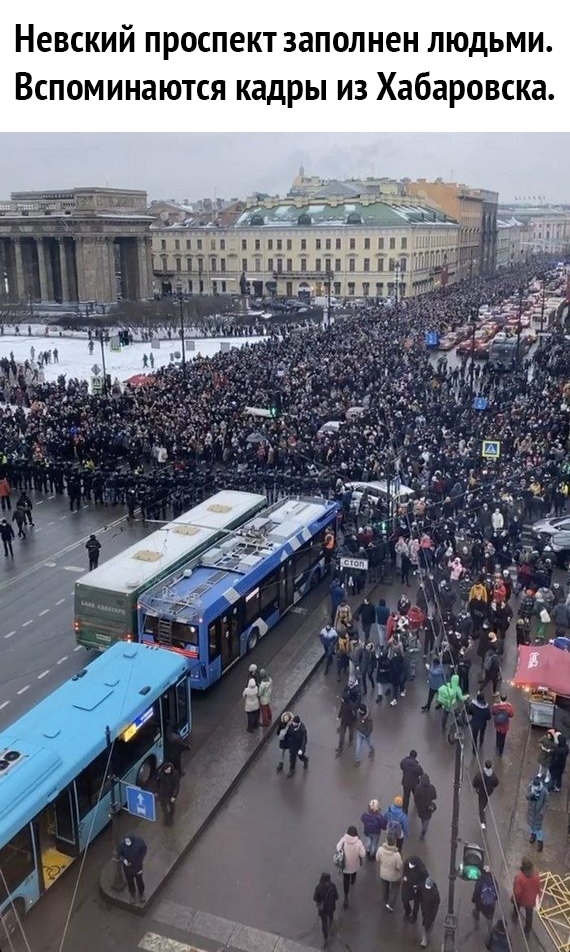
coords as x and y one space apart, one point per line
554 532
378 490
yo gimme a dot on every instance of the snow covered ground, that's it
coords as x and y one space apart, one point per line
76 361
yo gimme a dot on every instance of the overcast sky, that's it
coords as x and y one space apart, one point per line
200 165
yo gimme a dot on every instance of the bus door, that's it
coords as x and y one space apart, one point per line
230 632
175 706
286 586
57 836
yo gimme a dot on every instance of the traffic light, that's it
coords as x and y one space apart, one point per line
276 404
473 861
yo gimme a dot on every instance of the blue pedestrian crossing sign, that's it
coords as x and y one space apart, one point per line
480 403
141 803
491 449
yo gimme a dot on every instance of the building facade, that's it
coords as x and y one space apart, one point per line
547 227
511 242
83 244
364 249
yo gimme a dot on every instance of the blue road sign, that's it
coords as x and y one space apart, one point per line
491 449
141 803
480 403
432 339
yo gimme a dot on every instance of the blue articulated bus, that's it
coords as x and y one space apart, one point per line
57 761
215 609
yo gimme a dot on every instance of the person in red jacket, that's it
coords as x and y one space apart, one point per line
501 712
526 889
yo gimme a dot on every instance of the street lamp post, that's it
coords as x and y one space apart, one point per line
519 328
472 363
397 273
450 921
543 303
102 342
329 278
182 342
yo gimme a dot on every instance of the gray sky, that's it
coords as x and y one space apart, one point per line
199 165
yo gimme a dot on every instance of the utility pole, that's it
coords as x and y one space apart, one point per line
102 342
472 363
543 303
329 283
118 883
397 272
181 304
450 921
519 328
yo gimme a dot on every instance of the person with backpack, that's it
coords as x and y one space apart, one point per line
343 618
364 727
498 940
325 898
480 715
390 867
373 822
537 801
491 666
436 678
414 874
484 898
450 697
558 759
283 726
397 822
502 712
342 654
351 848
425 796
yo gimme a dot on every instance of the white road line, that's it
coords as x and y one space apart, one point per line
50 497
51 523
26 623
4 704
73 568
23 690
78 648
43 674
45 611
60 601
38 529
62 517
50 565
10 633
61 660
41 502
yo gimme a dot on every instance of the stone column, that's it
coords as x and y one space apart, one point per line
63 267
4 268
43 265
143 260
109 268
20 276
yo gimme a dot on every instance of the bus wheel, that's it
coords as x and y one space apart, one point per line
252 639
145 771
12 917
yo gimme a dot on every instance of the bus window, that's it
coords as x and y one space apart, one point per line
269 597
89 783
182 712
132 745
64 827
184 636
16 862
230 638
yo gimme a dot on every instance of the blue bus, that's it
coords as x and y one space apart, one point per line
58 760
214 610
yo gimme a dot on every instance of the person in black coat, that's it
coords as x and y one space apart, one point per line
167 787
93 547
429 905
425 795
414 873
411 773
498 940
480 715
7 534
325 897
131 852
297 744
484 898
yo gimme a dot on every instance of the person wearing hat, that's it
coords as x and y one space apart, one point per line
411 773
502 712
485 782
526 889
373 822
397 822
484 898
390 867
325 897
131 852
364 727
250 695
297 744
346 717
283 726
491 666
253 672
93 547
414 873
265 688
546 745
537 801
429 905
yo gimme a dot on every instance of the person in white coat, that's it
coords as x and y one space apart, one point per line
390 865
354 853
251 696
497 520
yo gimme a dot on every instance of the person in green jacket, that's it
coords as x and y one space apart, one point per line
450 696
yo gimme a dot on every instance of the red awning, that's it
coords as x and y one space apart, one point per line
140 380
543 666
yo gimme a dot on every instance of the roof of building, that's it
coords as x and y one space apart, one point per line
378 214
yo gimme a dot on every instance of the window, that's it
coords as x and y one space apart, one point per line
257 244
351 288
188 264
337 264
213 264
289 268
222 244
212 244
178 263
270 244
303 244
200 265
127 753
367 244
404 243
289 244
165 264
258 264
279 263
188 244
189 287
251 602
336 286
244 244
318 244
214 287
269 596
16 862
403 264
223 287
337 244
303 264
392 243
244 264
222 264
289 289
318 264
163 244
351 264
352 244
366 264
270 264
391 264
380 244
92 783
279 244
328 244
177 245
380 264
152 262
365 288
199 244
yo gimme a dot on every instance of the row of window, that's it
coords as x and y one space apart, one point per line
278 244
285 265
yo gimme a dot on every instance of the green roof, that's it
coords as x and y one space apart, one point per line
341 213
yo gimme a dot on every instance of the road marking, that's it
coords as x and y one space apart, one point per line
41 502
78 647
23 690
51 523
151 942
45 611
61 660
50 497
60 601
4 704
73 568
38 529
43 674
26 623
10 633
62 517
50 565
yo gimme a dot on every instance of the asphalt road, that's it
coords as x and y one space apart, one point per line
36 596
